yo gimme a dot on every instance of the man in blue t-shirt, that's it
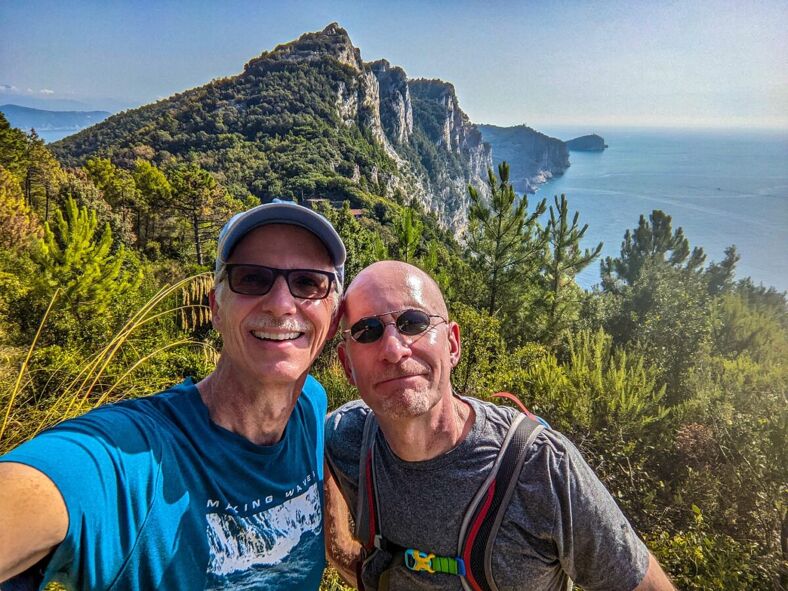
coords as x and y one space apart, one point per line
213 485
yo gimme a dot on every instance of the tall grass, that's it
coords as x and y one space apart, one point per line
107 374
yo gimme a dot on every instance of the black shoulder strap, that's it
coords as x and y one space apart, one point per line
367 508
485 512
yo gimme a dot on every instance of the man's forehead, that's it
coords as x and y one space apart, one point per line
275 241
379 293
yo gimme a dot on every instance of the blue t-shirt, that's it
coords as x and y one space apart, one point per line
160 497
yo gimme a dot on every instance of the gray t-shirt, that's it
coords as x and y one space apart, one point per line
561 522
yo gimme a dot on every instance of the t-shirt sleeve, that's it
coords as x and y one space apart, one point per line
315 397
90 460
596 544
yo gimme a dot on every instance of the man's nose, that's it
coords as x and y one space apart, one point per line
279 301
394 345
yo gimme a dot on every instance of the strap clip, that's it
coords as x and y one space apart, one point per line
419 561
416 560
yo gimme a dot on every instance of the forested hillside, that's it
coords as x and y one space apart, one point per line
308 119
670 377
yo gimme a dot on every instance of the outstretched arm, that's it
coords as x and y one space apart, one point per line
342 550
33 518
655 579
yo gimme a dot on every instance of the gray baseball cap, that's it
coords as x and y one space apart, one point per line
281 212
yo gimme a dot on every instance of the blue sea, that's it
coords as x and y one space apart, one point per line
722 187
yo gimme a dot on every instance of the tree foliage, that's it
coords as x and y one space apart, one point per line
654 241
74 257
17 223
564 259
203 203
671 378
504 239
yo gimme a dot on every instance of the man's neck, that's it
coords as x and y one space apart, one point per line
432 434
255 411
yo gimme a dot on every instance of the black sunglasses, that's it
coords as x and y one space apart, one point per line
257 280
408 322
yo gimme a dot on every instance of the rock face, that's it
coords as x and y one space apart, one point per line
462 158
396 109
587 143
533 157
370 131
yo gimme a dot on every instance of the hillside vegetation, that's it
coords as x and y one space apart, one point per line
670 377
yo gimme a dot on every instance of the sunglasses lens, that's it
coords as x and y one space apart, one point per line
367 330
308 284
250 279
413 322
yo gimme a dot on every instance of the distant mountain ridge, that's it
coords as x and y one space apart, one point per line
26 118
309 119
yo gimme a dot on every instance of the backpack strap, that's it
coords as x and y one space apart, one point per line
486 511
366 511
482 518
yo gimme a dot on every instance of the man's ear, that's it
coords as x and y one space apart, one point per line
346 363
215 318
455 347
334 326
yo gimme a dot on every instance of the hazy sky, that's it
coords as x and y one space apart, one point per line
707 63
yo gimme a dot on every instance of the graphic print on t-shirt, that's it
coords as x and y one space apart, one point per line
245 551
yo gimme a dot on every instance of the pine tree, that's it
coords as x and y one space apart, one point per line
17 223
408 229
563 262
653 242
198 199
13 149
74 257
154 194
503 239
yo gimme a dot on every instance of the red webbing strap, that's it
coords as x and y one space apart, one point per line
471 538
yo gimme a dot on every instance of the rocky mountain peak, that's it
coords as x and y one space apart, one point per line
333 41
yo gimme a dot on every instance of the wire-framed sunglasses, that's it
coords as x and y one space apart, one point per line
409 322
257 280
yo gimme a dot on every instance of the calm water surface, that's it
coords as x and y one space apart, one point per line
722 187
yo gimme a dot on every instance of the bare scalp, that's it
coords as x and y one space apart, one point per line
399 281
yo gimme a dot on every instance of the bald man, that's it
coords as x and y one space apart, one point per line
427 454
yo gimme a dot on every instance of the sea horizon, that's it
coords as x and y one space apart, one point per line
722 186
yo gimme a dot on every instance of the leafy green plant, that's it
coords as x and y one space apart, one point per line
701 559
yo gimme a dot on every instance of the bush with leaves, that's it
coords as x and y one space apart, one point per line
701 559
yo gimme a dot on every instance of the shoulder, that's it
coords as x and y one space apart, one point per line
126 427
344 434
313 396
345 425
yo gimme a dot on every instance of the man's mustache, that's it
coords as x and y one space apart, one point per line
284 324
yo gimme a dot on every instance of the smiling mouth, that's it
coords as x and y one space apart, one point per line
262 335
